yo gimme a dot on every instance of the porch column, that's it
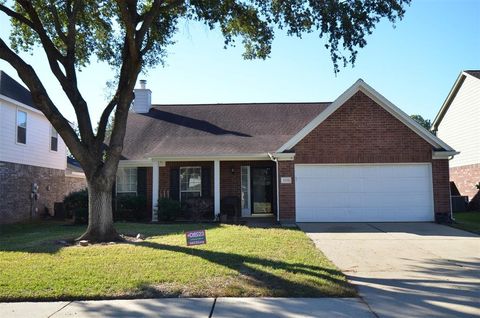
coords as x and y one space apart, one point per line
216 186
155 190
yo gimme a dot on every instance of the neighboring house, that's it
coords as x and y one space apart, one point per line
458 123
32 157
359 158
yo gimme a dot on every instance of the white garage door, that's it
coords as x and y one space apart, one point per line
363 193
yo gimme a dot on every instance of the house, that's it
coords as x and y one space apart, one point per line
359 158
458 123
33 163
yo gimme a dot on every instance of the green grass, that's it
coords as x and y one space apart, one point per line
468 221
236 261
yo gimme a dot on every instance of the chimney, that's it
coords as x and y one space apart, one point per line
143 98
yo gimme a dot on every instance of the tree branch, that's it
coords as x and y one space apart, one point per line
56 22
67 81
17 16
44 103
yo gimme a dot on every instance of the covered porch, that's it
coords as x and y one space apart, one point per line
233 189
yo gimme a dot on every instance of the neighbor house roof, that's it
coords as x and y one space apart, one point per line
474 73
14 90
451 96
219 129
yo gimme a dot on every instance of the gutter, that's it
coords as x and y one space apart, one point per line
274 159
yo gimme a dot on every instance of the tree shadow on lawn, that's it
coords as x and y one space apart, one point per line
248 266
49 238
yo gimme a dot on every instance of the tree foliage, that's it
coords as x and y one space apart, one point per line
131 35
425 123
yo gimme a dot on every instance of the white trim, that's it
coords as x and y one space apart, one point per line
365 164
446 104
50 137
16 126
360 85
180 181
139 163
136 181
17 103
450 97
216 187
444 154
225 157
248 211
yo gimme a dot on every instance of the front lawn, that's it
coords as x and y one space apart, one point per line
468 221
237 261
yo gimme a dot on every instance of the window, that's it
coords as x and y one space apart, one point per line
127 180
53 139
21 127
190 182
245 185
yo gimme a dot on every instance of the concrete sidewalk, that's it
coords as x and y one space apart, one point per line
192 307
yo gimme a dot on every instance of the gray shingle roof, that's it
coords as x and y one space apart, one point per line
475 73
215 129
11 88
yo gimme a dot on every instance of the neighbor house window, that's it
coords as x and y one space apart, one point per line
21 127
53 139
190 182
127 180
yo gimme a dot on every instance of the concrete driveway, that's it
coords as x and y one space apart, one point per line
406 269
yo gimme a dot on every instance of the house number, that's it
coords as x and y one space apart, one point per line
285 180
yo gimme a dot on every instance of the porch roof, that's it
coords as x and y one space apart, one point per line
206 129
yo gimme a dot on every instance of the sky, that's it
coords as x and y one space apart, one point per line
413 64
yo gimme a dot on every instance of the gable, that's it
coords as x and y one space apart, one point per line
459 123
361 131
360 86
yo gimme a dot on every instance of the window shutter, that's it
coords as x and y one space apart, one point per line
206 182
175 184
142 181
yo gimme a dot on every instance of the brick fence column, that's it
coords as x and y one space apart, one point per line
286 192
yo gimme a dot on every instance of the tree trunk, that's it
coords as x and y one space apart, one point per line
100 217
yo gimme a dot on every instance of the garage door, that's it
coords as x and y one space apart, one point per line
363 193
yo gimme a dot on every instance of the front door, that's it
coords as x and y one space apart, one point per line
262 190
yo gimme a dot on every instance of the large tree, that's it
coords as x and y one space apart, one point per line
132 35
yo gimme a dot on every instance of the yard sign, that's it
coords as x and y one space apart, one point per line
196 237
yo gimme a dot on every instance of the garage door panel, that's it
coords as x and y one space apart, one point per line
359 193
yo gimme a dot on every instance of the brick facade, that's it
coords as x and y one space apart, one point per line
361 131
16 186
465 178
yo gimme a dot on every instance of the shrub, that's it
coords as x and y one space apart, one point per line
168 209
130 207
199 208
76 205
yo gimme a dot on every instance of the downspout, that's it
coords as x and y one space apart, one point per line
278 188
450 192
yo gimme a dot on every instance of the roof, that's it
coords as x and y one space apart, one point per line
176 131
14 90
73 165
360 85
215 129
451 95
474 73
